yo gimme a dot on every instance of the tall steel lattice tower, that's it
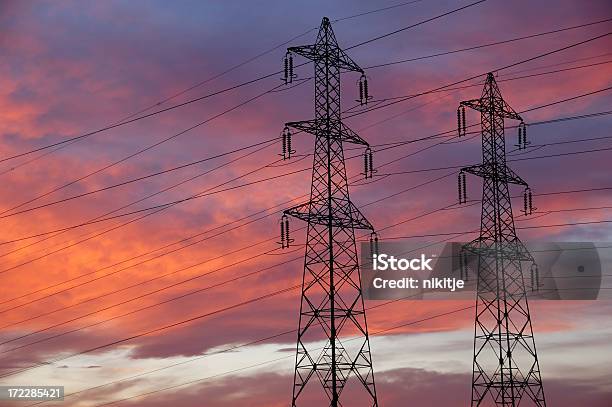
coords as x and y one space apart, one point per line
332 307
505 368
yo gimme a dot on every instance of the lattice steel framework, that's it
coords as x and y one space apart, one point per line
505 366
332 306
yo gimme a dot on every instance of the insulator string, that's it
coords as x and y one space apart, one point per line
461 125
461 187
373 243
364 91
282 232
288 68
459 122
361 92
287 149
287 239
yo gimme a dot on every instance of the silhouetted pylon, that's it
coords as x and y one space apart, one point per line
506 369
332 306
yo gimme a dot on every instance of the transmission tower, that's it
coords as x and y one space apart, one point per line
505 366
332 307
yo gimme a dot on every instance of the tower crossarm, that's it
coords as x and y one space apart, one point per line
488 103
512 249
318 53
332 305
314 213
500 172
334 128
506 370
327 50
502 109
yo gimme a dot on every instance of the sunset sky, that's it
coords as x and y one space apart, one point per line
69 68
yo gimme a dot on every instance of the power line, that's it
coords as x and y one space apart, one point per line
595 150
200 290
234 348
159 329
490 44
210 79
559 63
158 277
541 214
414 25
165 189
536 147
163 205
501 79
144 149
568 99
194 197
102 169
518 227
453 206
182 166
538 56
572 68
173 272
220 91
164 254
187 130
184 240
140 178
146 211
255 342
253 300
274 360
286 357
574 191
183 269
37 290
183 104
451 134
365 13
